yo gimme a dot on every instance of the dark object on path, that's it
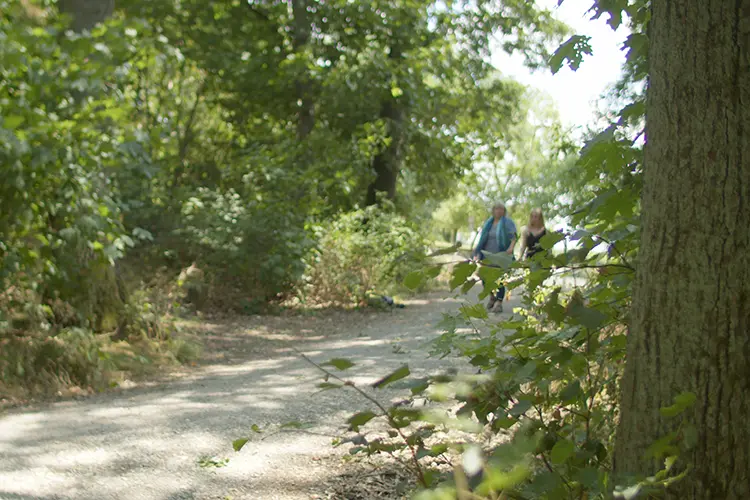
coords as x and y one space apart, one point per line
389 301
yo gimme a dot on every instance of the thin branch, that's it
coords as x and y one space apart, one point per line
553 471
377 403
622 256
187 133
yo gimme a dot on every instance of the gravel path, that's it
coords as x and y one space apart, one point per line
145 443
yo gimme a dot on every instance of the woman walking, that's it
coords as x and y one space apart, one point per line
532 234
498 235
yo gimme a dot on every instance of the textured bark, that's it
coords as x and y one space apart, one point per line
87 13
691 303
306 113
387 164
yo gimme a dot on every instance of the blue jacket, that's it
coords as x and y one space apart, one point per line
506 231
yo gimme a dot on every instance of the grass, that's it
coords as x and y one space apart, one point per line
76 361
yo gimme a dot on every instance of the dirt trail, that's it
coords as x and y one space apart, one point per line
146 443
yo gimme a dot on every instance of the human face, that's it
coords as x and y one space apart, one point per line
498 212
535 219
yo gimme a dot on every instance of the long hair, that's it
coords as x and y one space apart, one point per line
537 211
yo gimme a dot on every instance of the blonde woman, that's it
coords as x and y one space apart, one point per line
498 235
532 234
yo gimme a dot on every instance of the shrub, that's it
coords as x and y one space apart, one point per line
534 416
363 252
47 362
251 252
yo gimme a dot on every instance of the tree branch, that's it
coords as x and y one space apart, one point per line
417 465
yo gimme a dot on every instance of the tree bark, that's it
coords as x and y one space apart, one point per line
691 302
87 13
306 113
387 163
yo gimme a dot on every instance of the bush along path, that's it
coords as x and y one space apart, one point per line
175 440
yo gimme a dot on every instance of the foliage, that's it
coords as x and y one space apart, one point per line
455 213
363 252
541 400
281 64
60 218
531 165
49 363
250 247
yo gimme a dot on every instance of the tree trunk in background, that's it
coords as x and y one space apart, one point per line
87 13
306 113
387 164
691 302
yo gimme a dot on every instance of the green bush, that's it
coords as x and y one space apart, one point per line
251 253
362 252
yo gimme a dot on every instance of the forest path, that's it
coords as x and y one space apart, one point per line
145 443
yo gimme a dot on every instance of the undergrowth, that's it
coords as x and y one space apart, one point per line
47 351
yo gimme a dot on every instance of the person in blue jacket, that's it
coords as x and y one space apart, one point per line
498 235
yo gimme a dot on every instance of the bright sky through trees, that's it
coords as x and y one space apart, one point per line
575 93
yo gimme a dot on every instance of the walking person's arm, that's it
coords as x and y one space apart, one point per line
512 246
524 235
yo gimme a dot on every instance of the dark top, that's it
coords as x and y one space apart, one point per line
532 243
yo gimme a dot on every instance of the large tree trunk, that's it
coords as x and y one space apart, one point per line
87 13
691 303
387 163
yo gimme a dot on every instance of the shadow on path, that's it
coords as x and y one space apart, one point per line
145 443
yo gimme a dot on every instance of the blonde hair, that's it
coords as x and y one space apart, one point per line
537 211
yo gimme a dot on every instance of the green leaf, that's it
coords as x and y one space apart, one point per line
413 280
502 260
478 311
572 52
359 419
629 493
490 274
663 446
526 372
238 444
562 451
11 122
682 402
587 317
589 477
255 428
549 240
432 272
468 285
338 363
520 408
389 379
461 273
571 392
444 251
416 386
498 480
396 92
